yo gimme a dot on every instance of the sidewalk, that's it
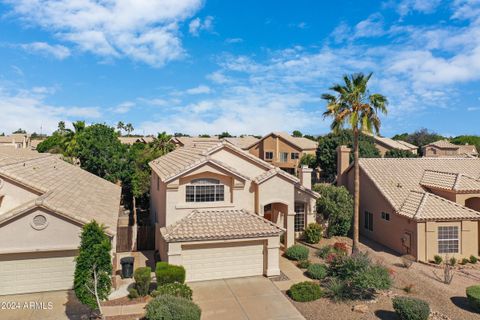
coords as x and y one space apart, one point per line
131 309
294 274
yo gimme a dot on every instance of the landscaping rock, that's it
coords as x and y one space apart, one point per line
435 315
360 308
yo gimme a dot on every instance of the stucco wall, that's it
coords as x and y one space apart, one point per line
14 194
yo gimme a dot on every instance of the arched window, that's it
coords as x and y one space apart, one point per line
205 190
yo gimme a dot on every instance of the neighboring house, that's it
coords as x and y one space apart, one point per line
15 140
44 201
386 144
444 148
241 142
219 211
35 142
282 150
418 206
132 140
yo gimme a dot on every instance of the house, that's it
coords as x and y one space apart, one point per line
282 150
133 139
418 206
242 142
220 211
444 148
15 140
44 202
384 144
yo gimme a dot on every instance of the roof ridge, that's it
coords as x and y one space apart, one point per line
422 204
453 203
40 157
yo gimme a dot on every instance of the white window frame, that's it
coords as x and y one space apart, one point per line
299 221
283 156
368 223
205 190
450 239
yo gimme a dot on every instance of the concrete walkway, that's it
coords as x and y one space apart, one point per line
294 274
131 309
249 298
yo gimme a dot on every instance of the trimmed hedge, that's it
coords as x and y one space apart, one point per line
473 259
473 296
305 291
169 273
317 271
313 233
174 289
169 307
142 278
410 308
297 252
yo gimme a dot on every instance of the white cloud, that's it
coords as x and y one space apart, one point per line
218 77
124 107
405 7
196 25
141 30
57 51
233 40
202 89
473 109
370 27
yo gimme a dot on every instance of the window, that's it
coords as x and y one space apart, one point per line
158 183
204 190
294 155
368 223
283 156
299 224
447 239
386 216
268 155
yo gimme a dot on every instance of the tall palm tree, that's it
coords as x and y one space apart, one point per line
353 105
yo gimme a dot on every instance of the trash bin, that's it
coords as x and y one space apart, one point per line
127 266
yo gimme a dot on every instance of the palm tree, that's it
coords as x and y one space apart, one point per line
163 144
353 105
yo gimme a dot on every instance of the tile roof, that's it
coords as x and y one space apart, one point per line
468 149
132 140
301 142
219 225
242 142
449 181
395 144
17 138
65 188
396 178
443 144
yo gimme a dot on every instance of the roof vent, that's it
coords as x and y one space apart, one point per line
399 185
39 222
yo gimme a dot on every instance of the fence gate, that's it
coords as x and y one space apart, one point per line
145 238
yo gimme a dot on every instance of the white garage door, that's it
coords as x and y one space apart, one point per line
221 261
36 272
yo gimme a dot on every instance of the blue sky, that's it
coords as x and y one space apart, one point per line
209 66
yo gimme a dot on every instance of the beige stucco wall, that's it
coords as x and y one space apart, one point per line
432 151
14 194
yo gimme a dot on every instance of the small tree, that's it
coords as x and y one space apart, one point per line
92 282
308 160
297 134
336 206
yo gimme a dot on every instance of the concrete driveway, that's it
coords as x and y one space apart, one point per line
243 298
44 305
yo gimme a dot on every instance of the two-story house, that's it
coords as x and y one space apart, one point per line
220 211
282 150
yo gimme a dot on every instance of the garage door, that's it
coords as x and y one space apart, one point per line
220 261
36 272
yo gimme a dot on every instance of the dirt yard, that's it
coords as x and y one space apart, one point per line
447 300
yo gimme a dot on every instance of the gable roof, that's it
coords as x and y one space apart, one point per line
468 149
219 225
395 144
64 188
299 142
242 142
450 181
442 144
396 178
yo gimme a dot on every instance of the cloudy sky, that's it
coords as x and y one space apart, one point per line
245 66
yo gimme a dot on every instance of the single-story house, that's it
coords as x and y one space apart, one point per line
444 148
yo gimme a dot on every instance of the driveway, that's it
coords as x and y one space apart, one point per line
44 305
243 299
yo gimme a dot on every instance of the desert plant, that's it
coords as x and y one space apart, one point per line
324 251
142 278
305 291
410 308
174 289
340 248
313 233
133 293
437 259
409 288
473 296
464 261
317 271
168 273
375 277
448 271
453 261
473 259
173 308
297 252
337 290
407 260
303 264
346 267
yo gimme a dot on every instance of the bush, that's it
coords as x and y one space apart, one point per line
340 248
142 278
473 259
407 260
464 261
336 206
317 271
324 251
473 296
338 290
297 252
173 289
169 307
168 273
313 233
133 293
410 308
437 259
303 264
374 278
305 291
346 267
453 261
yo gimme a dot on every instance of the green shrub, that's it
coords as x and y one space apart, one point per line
473 296
453 261
346 267
473 259
375 277
336 206
142 278
305 291
410 308
317 271
166 307
464 261
324 251
313 233
303 264
437 259
168 273
173 289
133 293
338 290
297 252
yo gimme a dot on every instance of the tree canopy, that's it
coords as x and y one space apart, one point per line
420 137
297 133
336 206
473 140
396 153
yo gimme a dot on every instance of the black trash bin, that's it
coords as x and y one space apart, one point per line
127 266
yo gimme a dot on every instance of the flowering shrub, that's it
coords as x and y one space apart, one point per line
340 248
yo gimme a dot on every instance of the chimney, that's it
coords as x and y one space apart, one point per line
343 161
306 176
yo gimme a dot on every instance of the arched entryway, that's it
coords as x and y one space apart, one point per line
473 203
276 212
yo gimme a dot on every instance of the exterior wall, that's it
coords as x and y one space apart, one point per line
382 148
14 195
432 151
18 235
